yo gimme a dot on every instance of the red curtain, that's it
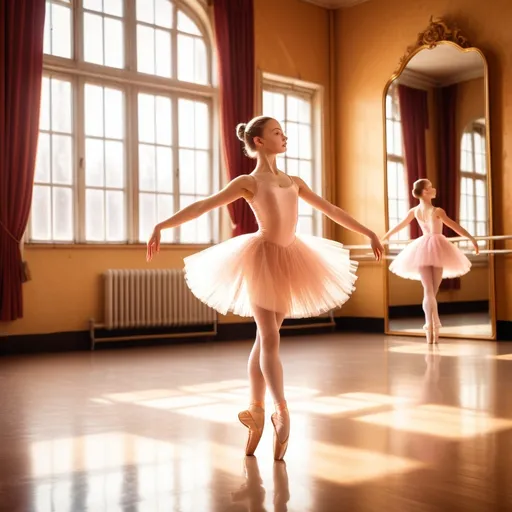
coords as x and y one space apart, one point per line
21 59
448 148
414 116
234 34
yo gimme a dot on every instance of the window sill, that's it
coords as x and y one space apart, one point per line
113 246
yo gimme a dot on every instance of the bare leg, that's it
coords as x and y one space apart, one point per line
268 324
256 379
437 273
429 299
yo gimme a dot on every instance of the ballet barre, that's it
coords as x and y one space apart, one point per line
451 239
370 255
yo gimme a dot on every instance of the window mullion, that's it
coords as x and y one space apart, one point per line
131 168
176 160
81 210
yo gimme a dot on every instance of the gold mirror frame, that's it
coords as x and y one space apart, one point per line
438 33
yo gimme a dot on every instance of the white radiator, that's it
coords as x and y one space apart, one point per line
152 298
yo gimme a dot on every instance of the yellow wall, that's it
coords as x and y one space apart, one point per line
370 40
65 292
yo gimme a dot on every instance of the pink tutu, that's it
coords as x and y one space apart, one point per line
430 250
305 278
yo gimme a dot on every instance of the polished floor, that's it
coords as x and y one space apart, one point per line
378 424
465 324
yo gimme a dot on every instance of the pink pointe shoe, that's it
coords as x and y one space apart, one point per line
279 418
254 419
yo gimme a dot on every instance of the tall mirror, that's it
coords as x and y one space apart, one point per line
436 118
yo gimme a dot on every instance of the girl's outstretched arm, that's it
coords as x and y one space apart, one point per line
243 186
457 228
338 215
400 226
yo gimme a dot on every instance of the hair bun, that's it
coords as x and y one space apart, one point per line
240 131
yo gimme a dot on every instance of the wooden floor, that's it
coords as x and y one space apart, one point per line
378 424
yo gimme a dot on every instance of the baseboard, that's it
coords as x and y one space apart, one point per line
445 308
504 330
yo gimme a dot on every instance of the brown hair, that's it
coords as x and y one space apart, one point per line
247 131
418 187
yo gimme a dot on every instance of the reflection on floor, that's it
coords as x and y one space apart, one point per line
378 423
467 324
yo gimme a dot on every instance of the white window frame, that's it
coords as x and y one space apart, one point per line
313 93
475 177
402 196
131 82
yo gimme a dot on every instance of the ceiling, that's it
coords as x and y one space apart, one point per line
446 64
335 4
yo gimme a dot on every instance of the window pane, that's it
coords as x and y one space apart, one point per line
94 163
62 159
292 105
481 229
93 38
145 49
292 166
114 164
47 41
41 218
163 13
187 171
93 110
202 174
146 118
44 114
202 124
62 214
147 216
163 121
273 105
163 53
397 139
145 11
95 215
61 105
305 141
113 7
185 24
306 172
481 209
304 111
93 5
164 169
281 163
115 216
42 172
200 62
481 188
305 225
165 208
114 47
186 123
147 166
293 139
60 31
189 229
114 118
185 58
390 137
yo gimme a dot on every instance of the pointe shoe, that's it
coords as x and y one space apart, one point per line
254 419
278 419
435 333
429 334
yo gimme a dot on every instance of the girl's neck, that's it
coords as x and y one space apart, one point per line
267 163
426 203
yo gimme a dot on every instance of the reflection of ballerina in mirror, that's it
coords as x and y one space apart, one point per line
252 492
431 392
430 258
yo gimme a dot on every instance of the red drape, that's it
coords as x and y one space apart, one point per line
448 148
414 116
21 59
234 34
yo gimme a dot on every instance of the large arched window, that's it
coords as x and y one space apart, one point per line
473 212
126 122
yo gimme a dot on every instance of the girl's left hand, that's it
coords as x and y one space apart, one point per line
376 247
475 245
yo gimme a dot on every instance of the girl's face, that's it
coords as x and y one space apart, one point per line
273 140
429 192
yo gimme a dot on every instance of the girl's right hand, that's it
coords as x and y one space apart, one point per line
153 244
376 247
475 245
